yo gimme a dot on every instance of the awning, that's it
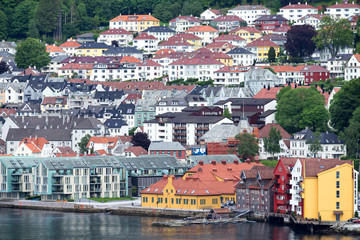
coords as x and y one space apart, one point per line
338 212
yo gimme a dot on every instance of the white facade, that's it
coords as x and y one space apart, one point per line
208 15
242 59
249 13
122 39
296 178
296 11
352 68
343 10
181 25
206 36
15 93
186 70
309 20
147 45
230 75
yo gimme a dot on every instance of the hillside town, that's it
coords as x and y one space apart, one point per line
202 112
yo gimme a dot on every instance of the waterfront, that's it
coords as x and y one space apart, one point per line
34 224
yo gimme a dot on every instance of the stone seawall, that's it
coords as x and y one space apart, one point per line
83 208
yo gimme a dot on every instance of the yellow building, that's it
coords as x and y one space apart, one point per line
53 104
189 37
328 190
92 49
134 23
261 48
250 34
205 186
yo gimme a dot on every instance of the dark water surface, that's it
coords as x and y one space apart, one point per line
32 224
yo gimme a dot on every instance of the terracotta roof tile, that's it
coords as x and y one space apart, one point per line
202 29
136 150
264 132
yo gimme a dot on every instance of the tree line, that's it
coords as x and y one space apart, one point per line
61 19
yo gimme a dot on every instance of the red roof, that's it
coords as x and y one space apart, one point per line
125 139
185 36
53 48
264 93
7 112
298 6
149 63
175 42
136 150
164 51
345 5
70 44
284 28
116 32
220 45
54 100
202 29
226 37
188 18
264 132
66 149
228 18
248 29
34 144
134 18
314 68
145 36
196 61
217 12
129 59
111 141
85 66
262 44
187 88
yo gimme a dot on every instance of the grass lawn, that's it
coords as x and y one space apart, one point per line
269 163
112 199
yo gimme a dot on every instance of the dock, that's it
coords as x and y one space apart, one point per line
186 222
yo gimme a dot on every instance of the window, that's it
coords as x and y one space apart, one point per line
280 169
337 184
337 205
202 201
337 194
214 201
337 174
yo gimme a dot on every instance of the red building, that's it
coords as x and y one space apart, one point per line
267 23
314 73
282 175
170 148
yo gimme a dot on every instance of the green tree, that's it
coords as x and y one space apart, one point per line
271 144
315 145
3 26
227 113
47 15
271 54
334 34
83 144
351 135
31 52
141 139
295 110
33 30
344 104
132 131
248 146
24 13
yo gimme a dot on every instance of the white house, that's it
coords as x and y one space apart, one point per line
206 33
311 19
147 43
352 68
121 36
15 92
230 75
295 191
293 12
9 47
336 65
70 47
35 147
148 70
183 23
162 33
235 40
332 146
249 12
209 14
242 57
201 68
343 10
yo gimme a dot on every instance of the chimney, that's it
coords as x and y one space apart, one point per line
213 162
229 169
214 170
236 162
248 161
201 162
223 162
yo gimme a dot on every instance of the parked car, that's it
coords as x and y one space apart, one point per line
352 219
356 221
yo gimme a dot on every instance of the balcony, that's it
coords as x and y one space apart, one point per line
58 183
57 189
202 128
179 140
95 182
179 134
18 189
95 190
179 128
